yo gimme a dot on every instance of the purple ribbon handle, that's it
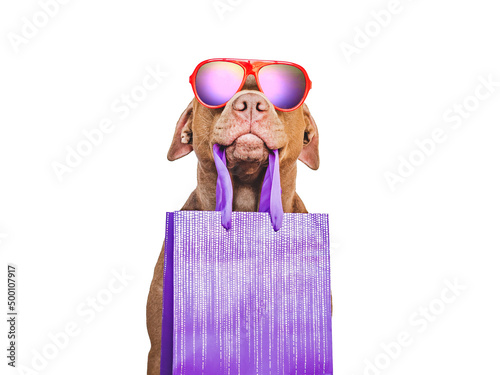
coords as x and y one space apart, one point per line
224 188
270 196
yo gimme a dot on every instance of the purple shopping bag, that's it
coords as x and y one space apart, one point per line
246 292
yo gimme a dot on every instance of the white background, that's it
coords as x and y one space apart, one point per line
393 250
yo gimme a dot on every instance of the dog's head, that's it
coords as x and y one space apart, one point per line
249 126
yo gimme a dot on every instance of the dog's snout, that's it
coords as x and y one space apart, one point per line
252 106
249 112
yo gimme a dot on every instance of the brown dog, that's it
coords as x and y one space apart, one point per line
249 126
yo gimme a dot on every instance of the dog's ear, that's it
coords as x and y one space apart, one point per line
182 144
310 151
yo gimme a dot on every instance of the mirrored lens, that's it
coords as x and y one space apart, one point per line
216 82
284 85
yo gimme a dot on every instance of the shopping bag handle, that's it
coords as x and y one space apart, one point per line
270 195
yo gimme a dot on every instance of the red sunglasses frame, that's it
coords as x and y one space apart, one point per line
251 67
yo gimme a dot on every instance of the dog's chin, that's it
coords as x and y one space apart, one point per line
246 157
247 149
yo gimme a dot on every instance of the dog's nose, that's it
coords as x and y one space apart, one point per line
252 106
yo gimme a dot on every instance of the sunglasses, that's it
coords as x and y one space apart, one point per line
285 84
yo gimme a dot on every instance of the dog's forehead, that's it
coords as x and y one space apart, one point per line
250 84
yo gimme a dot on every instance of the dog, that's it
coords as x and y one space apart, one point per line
249 127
